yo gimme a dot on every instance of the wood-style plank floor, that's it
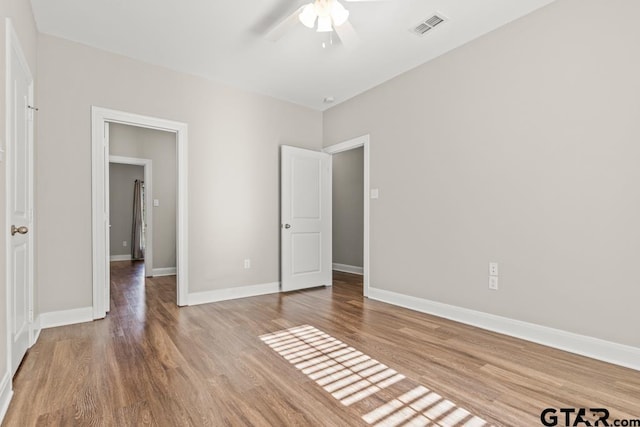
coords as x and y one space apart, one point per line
152 363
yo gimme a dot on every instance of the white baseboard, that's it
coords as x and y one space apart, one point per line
595 348
168 271
66 317
6 393
36 328
348 268
233 293
120 257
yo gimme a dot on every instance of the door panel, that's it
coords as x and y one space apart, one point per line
306 188
306 251
20 296
305 218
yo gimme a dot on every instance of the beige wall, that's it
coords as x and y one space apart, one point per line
160 148
121 181
348 207
20 13
521 147
232 166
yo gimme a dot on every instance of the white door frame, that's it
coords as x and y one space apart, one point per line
147 165
100 212
13 44
361 141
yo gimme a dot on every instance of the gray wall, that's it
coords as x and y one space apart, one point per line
348 207
121 182
520 147
234 139
160 148
20 13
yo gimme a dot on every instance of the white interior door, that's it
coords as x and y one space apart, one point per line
305 179
19 200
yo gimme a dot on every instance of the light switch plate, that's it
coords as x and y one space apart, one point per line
374 193
493 269
156 202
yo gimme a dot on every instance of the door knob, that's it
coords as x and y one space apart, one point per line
21 230
287 226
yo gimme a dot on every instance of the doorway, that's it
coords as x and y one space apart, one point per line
101 120
306 215
123 174
351 231
145 232
348 216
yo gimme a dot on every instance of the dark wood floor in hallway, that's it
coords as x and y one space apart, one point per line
152 363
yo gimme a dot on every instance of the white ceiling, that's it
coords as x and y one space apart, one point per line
224 39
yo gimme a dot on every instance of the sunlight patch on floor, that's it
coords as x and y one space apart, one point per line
351 376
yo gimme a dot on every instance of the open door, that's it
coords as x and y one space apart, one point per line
19 187
305 180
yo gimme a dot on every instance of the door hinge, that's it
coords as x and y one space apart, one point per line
30 110
31 316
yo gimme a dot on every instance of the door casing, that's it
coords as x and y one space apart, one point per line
100 209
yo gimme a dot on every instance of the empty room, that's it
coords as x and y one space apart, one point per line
320 213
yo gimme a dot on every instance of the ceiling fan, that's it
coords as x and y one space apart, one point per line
323 15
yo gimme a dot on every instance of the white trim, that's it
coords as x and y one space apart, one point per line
166 271
595 348
113 258
233 293
6 393
147 165
100 116
361 141
37 328
66 317
348 268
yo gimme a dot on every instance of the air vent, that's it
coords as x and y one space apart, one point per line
428 24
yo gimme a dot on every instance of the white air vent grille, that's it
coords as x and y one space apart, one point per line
428 24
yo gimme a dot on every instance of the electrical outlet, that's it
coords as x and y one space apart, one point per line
493 269
247 263
124 243
493 283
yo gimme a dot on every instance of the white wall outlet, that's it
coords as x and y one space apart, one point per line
493 283
247 263
493 269
156 202
374 193
124 243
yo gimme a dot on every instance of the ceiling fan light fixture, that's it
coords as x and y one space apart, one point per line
324 24
338 13
308 16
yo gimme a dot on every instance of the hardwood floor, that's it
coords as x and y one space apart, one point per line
152 363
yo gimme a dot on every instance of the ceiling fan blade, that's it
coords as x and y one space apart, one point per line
347 34
281 28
